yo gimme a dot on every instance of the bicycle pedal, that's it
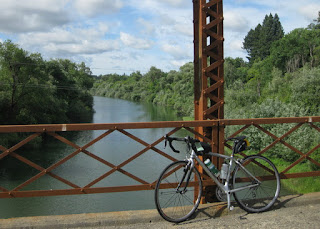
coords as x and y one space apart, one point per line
231 208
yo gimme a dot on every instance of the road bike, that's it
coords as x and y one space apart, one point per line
253 181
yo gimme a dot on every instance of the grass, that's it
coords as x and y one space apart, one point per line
298 185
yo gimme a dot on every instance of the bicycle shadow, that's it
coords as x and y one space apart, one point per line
219 209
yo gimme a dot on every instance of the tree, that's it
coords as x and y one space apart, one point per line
258 41
235 69
297 48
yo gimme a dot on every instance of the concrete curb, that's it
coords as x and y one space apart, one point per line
141 216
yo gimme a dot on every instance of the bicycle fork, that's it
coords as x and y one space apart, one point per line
187 173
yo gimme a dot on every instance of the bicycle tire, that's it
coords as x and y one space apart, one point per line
177 205
262 197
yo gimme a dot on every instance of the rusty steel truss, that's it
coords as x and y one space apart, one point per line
208 68
55 131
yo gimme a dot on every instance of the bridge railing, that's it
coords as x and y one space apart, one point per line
71 187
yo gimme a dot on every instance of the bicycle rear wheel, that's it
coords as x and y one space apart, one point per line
261 197
176 204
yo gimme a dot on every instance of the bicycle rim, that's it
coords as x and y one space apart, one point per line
264 195
173 204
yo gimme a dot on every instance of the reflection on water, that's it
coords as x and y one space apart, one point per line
83 169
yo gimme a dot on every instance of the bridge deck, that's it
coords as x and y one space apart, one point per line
293 211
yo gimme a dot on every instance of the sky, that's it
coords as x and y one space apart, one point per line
124 36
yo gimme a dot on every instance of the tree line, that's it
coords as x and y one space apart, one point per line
173 89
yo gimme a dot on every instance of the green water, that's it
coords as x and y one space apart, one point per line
82 169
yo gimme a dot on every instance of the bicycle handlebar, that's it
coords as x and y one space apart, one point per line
189 140
170 139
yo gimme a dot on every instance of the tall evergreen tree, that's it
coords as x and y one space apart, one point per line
258 41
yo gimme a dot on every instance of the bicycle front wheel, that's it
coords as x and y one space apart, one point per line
177 199
263 177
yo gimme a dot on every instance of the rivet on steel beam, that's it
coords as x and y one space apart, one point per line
44 129
115 128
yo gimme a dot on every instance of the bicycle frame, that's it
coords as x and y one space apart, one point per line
224 187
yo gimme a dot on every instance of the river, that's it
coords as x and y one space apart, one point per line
82 169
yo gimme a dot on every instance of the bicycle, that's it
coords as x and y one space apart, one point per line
253 181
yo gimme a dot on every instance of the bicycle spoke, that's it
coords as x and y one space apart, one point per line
262 197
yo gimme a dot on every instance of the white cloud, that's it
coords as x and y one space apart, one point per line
95 7
134 42
178 52
83 47
63 42
175 3
147 26
178 63
235 21
37 15
310 12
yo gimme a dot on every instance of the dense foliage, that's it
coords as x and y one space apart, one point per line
35 91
